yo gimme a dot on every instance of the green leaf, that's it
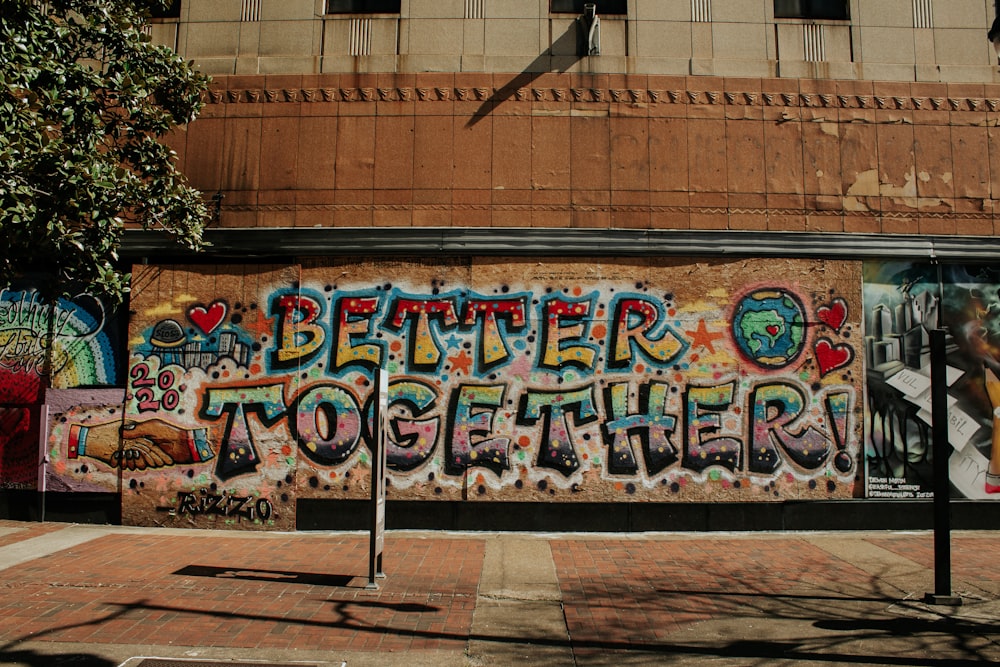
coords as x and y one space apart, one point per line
83 98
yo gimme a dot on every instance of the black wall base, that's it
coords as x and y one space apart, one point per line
312 514
96 508
638 517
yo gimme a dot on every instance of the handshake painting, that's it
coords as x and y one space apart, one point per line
139 445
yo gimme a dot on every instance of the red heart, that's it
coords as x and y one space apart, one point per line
773 329
833 315
208 319
831 357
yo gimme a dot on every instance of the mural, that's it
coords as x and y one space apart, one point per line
18 447
71 343
510 379
83 451
903 302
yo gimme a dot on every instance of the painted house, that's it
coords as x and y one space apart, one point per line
644 265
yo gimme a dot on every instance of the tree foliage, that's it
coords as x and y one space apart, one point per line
85 99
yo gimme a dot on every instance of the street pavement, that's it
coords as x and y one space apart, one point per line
105 596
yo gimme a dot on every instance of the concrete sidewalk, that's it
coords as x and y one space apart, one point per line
106 596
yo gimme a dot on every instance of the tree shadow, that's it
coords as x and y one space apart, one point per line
36 659
862 624
853 622
11 655
905 626
783 596
856 625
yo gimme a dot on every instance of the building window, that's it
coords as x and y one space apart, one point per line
576 6
811 9
171 11
362 6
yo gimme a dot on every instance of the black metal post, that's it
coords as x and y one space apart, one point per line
378 459
942 453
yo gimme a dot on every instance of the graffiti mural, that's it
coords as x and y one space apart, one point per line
82 352
18 447
198 443
510 379
67 344
903 303
83 448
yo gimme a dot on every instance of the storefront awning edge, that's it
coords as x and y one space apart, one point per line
431 241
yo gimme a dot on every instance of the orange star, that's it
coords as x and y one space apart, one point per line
702 337
461 362
262 325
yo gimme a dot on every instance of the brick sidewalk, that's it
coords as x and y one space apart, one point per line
633 599
973 559
246 592
25 531
623 595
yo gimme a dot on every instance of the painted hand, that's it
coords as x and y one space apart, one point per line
138 455
104 444
159 443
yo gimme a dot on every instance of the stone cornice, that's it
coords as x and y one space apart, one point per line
912 214
581 95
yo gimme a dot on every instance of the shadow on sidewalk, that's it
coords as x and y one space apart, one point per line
312 579
814 649
679 592
36 659
807 648
843 621
11 655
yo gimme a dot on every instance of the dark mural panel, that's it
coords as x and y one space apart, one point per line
18 447
71 343
903 302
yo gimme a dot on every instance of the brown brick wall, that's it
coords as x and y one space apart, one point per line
610 151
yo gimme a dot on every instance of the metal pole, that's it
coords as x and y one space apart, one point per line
377 531
942 453
43 455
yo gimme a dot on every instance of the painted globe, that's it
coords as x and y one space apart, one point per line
769 327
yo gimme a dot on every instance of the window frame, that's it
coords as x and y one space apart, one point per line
171 13
813 10
623 4
379 9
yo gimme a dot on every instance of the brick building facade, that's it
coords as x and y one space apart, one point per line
678 270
